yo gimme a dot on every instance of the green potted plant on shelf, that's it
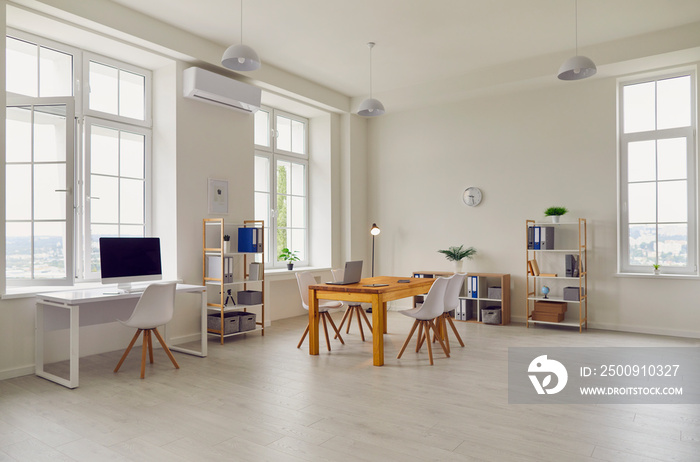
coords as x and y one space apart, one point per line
289 256
656 268
457 254
555 213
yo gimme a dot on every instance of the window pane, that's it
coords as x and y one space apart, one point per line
104 91
298 215
282 212
18 192
673 102
48 203
18 248
131 201
639 107
641 163
673 159
262 207
642 202
104 150
18 134
96 232
283 179
49 133
298 181
131 231
55 73
104 205
132 95
262 128
284 133
22 71
283 240
262 174
49 250
673 245
299 242
298 137
642 244
673 201
133 155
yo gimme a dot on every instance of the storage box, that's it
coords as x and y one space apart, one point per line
571 293
494 293
249 297
491 315
548 317
550 307
246 320
231 322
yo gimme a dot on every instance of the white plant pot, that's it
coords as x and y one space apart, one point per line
227 246
555 218
458 266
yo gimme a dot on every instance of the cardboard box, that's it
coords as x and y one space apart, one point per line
548 317
550 307
249 297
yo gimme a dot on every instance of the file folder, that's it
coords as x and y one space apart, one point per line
247 240
536 238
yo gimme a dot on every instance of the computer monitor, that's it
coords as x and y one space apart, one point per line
129 259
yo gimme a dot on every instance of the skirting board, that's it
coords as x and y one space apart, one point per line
16 372
631 329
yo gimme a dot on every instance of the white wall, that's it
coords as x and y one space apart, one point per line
527 150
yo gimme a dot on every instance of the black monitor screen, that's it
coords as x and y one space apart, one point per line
128 259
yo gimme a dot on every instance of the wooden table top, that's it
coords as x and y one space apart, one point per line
362 286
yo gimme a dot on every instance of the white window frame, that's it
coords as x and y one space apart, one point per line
624 266
274 154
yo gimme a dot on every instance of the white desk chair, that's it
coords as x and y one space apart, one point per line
154 308
454 287
353 308
432 307
305 279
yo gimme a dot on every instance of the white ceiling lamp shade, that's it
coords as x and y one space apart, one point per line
577 67
370 107
240 57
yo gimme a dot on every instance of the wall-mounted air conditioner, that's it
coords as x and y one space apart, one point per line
209 87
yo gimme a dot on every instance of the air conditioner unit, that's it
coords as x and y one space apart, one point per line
209 87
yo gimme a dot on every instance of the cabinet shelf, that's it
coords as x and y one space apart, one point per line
218 265
572 239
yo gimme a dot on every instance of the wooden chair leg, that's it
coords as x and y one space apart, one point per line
337 331
429 343
442 344
408 339
150 346
144 347
128 349
165 348
325 330
454 328
357 310
342 321
443 330
306 331
421 337
364 316
347 329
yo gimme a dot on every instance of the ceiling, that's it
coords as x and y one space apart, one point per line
418 41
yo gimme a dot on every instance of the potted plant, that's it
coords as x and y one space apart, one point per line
456 254
656 268
555 213
227 243
289 256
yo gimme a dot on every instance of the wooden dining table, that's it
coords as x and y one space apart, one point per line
377 291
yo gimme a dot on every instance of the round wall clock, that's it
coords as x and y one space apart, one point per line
472 196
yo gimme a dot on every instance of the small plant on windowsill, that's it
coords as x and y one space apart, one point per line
555 213
289 256
656 268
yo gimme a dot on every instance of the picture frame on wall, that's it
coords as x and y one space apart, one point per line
218 196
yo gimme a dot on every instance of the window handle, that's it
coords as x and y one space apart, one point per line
69 190
93 197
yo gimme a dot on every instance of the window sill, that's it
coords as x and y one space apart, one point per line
658 276
279 274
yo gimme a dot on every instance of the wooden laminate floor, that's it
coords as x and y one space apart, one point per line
261 399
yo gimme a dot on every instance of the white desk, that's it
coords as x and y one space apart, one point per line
72 300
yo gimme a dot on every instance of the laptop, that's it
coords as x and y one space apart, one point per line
352 274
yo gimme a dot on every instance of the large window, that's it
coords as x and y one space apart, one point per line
77 162
658 174
281 182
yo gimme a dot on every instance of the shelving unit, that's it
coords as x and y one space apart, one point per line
224 279
482 300
568 239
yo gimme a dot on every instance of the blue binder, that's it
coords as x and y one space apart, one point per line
247 240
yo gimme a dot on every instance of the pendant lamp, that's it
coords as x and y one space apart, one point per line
240 57
370 107
577 67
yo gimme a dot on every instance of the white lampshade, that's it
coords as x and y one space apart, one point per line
240 58
371 108
577 68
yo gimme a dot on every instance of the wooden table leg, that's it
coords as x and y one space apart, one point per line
379 327
313 322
